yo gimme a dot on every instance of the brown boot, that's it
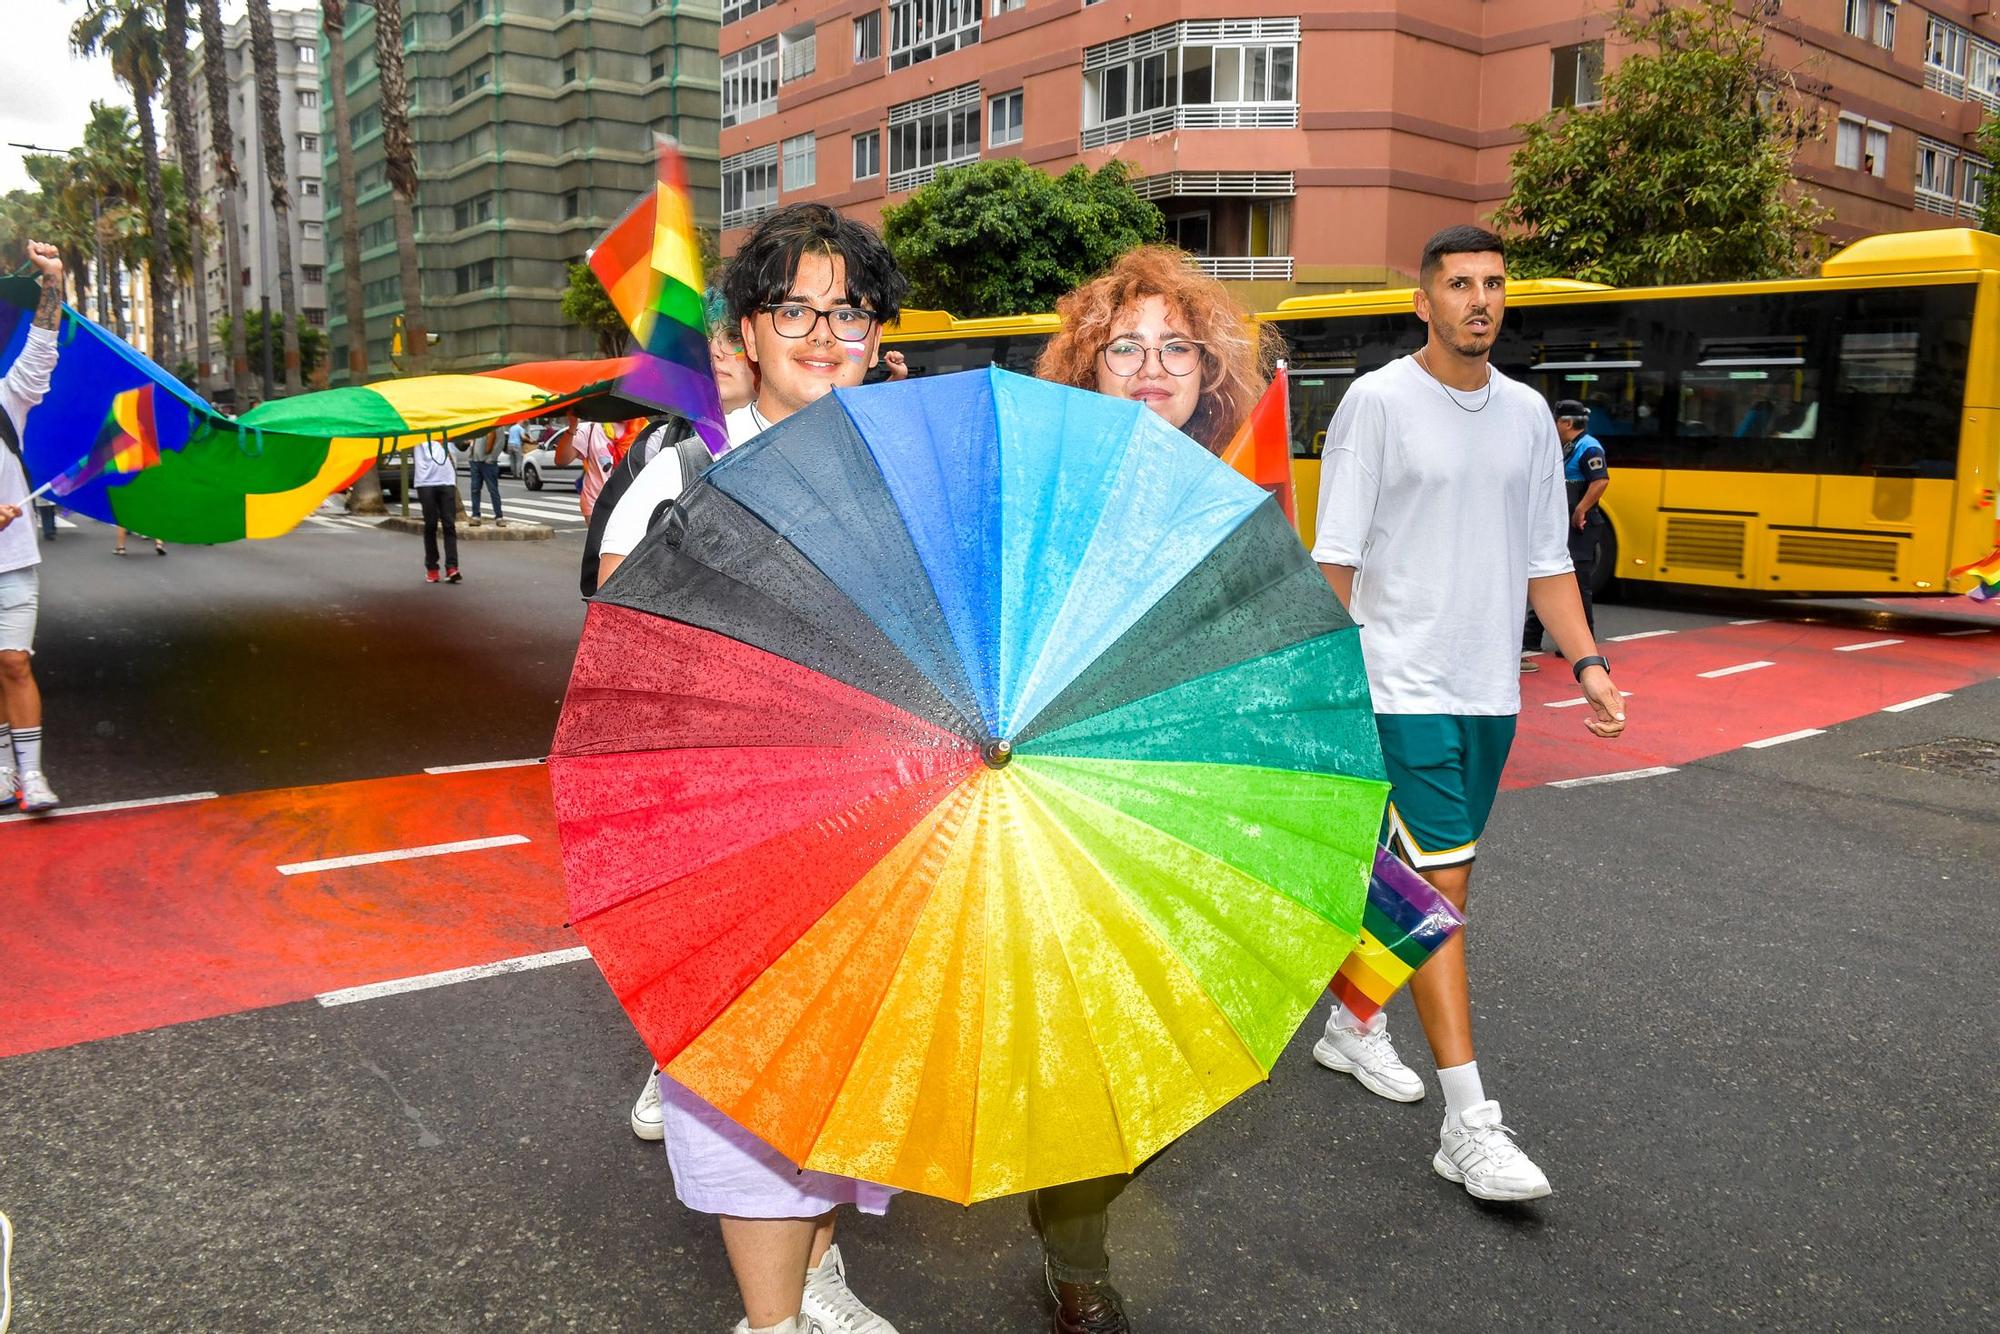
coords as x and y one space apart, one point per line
1088 1308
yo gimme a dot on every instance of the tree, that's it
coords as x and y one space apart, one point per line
310 341
1683 173
128 32
587 305
277 176
399 161
180 113
108 182
221 137
1000 237
1989 148
333 21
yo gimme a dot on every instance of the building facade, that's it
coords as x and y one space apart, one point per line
1299 147
296 33
533 122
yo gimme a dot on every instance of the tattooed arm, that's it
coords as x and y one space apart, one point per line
48 312
27 380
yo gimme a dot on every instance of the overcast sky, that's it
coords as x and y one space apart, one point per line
45 92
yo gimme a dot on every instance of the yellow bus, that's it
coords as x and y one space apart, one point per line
1838 434
934 343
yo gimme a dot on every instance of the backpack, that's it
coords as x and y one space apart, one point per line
694 459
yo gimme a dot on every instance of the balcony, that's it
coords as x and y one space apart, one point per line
1246 268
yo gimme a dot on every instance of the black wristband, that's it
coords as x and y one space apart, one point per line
1594 660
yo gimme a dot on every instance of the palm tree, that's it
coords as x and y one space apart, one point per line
128 32
264 55
400 161
215 73
180 108
107 181
333 19
61 214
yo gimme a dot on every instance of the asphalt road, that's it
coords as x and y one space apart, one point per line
1739 1011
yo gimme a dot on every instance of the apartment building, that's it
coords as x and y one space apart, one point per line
1298 147
533 122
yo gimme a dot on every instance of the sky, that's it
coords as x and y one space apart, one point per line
45 92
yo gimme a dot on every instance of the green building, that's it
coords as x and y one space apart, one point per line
533 122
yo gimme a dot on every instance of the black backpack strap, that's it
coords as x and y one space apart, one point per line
615 486
694 460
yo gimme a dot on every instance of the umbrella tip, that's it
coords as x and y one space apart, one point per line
997 753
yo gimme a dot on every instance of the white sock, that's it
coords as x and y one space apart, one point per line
28 748
1461 1088
1345 1020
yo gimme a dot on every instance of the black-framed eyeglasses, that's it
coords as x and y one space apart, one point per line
795 319
1126 357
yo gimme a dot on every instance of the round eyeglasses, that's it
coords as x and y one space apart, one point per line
1126 357
793 319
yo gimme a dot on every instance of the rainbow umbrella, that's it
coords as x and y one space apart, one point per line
970 786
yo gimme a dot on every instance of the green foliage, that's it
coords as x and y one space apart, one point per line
1000 237
587 305
1683 173
312 342
1989 148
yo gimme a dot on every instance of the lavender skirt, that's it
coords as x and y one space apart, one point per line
721 1168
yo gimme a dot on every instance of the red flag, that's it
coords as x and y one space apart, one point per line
1261 449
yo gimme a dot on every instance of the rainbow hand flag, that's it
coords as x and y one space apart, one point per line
1987 571
128 442
1403 922
1261 449
650 265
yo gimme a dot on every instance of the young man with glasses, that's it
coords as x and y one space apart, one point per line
1441 513
810 291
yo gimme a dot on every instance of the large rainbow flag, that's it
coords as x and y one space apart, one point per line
650 265
1261 449
1987 571
127 443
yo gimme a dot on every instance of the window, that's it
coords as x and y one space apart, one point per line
1201 74
659 70
471 212
309 187
867 155
311 229
1006 6
749 186
922 29
1885 24
1861 145
1945 48
308 97
930 133
1847 143
750 83
1975 180
315 316
798 52
1856 20
1875 155
309 143
1937 177
1003 119
733 10
472 277
572 203
1189 231
308 54
801 162
1579 75
1982 73
569 70
868 36
313 273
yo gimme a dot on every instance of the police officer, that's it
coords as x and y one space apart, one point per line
1585 477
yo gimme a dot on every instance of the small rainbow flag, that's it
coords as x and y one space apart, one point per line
1261 449
1403 923
127 442
650 265
1987 571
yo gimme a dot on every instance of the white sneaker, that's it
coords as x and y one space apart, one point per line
1478 1152
1370 1057
10 784
798 1324
648 1121
831 1306
36 795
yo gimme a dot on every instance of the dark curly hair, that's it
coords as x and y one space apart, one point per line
760 272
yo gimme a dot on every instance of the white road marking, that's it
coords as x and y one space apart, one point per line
1731 671
1799 735
402 854
140 804
486 764
1753 621
1641 634
1873 643
62 523
425 981
1916 703
1960 634
1594 779
1572 703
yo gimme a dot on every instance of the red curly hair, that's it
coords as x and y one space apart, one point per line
1236 358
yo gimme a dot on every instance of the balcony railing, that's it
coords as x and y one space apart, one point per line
1246 268
1238 116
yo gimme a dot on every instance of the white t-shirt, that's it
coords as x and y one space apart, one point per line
1445 513
26 382
660 481
432 464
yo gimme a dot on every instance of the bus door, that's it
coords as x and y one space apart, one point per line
1625 397
1316 392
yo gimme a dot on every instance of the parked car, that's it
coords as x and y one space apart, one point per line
541 466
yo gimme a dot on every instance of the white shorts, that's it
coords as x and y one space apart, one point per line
20 598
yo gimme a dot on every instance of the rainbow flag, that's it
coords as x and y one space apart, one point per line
1987 571
1261 449
650 265
128 442
1403 922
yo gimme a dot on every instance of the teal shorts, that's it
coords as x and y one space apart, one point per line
1444 771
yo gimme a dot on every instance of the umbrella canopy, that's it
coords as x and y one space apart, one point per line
970 787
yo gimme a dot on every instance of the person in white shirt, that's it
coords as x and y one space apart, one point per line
26 381
1441 515
437 493
810 291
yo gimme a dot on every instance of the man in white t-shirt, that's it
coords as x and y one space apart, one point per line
437 492
1441 513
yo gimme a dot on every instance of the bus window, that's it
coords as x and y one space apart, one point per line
1750 405
1900 382
1315 394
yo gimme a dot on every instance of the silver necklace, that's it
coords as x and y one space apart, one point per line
1445 389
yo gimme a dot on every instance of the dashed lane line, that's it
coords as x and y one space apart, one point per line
1960 634
1755 620
401 854
1858 648
102 806
1638 634
1916 703
1770 741
1572 703
425 981
1594 779
484 764
1731 671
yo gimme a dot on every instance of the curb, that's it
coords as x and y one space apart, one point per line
515 531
